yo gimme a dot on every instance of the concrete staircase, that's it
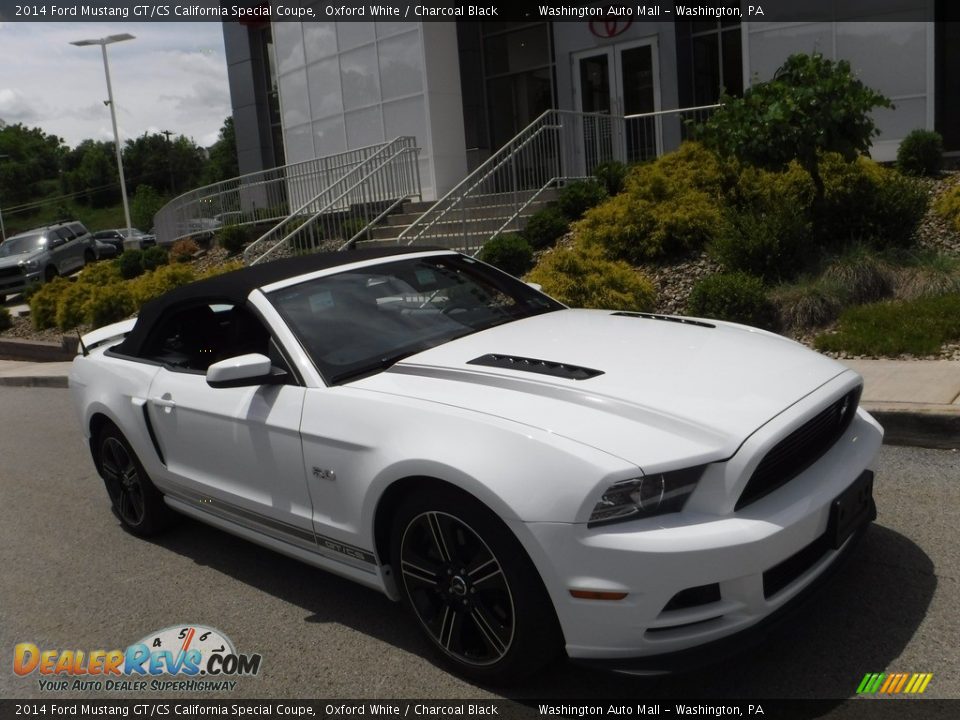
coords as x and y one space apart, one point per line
469 226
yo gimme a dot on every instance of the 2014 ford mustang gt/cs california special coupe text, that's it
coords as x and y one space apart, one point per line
529 479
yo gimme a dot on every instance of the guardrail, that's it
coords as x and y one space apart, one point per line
343 212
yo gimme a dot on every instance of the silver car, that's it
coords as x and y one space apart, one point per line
39 255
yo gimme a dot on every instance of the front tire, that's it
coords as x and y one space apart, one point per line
136 501
472 587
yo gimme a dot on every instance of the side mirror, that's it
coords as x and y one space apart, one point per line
536 286
244 371
57 242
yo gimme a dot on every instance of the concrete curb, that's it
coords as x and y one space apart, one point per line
919 428
44 381
35 351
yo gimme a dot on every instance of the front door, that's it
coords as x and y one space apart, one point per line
619 80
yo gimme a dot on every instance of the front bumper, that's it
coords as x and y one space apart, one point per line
11 283
695 578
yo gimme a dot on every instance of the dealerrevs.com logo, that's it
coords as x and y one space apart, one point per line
187 657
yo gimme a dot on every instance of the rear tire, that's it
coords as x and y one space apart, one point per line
136 501
88 257
50 273
473 589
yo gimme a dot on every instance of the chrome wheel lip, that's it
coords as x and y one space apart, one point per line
123 481
446 628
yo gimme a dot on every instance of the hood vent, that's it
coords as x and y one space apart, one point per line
668 318
542 367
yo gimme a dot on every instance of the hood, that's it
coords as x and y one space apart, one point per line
654 389
14 260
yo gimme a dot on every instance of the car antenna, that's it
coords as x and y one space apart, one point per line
82 346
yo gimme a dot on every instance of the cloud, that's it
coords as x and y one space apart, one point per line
15 107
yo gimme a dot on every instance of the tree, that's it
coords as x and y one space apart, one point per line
223 163
811 105
91 169
171 166
144 205
33 158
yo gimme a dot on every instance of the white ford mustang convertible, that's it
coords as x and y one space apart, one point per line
636 490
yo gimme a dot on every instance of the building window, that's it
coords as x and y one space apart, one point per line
715 59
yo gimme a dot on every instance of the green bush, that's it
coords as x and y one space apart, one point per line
736 297
109 304
947 207
510 253
233 238
893 328
72 306
131 264
862 276
156 283
867 203
921 153
811 105
6 321
668 208
43 303
578 197
545 227
612 174
155 257
103 273
807 305
184 250
927 274
582 277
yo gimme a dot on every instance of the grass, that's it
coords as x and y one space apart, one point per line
899 327
93 218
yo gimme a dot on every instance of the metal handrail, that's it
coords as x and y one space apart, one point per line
348 208
253 198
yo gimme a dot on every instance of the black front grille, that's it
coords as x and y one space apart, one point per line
694 597
10 272
542 367
780 576
800 449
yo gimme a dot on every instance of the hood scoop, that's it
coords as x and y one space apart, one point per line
667 318
541 367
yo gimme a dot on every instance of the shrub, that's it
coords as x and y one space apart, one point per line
72 306
155 257
612 174
545 227
921 153
184 250
103 273
233 238
927 274
811 105
865 202
43 303
109 304
6 321
947 207
510 253
669 207
161 280
861 275
578 197
736 297
131 264
582 277
146 202
807 305
892 328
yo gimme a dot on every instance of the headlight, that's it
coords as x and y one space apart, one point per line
645 496
29 264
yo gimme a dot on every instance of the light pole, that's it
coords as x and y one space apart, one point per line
3 232
103 42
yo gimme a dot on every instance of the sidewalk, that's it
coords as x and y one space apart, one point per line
916 401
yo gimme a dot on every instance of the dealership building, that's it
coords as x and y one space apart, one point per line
463 89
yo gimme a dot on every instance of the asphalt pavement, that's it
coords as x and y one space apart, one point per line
72 578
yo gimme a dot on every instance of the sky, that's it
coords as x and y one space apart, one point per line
173 76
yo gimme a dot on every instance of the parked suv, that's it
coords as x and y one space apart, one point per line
39 255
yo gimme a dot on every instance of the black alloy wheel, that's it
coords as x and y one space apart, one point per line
471 586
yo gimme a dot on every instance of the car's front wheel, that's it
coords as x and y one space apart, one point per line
88 257
472 587
136 502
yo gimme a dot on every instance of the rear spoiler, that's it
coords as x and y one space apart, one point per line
107 334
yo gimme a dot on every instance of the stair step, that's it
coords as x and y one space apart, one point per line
473 227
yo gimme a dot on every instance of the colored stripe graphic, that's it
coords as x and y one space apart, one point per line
894 683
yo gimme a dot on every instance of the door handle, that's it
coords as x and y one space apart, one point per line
163 402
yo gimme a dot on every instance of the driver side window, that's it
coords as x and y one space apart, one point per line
195 337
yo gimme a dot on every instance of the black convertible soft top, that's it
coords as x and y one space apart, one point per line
234 287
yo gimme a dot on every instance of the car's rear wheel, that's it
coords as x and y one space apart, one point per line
88 257
136 502
50 273
472 588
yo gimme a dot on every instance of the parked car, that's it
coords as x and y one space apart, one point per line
39 255
527 478
124 239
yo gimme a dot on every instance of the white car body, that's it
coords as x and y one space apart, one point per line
304 468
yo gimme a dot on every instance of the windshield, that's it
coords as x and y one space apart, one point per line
359 322
22 244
